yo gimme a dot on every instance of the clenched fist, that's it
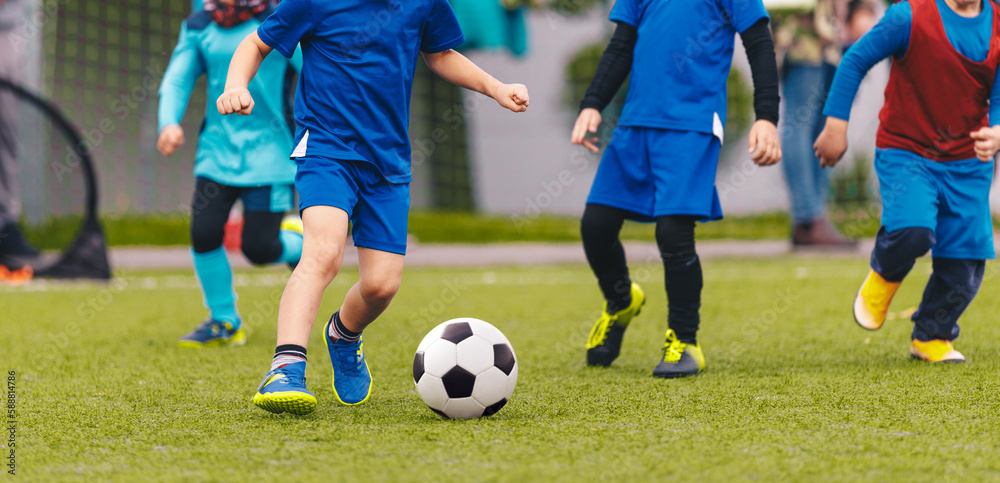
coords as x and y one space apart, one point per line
987 142
831 144
171 138
765 144
512 96
235 100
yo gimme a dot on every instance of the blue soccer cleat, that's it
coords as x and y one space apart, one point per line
283 390
352 382
213 333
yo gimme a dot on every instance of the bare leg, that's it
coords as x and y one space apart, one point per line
380 275
322 256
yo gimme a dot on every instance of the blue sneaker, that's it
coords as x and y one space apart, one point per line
284 390
214 333
352 383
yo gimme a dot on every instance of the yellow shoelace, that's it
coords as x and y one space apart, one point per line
673 349
600 330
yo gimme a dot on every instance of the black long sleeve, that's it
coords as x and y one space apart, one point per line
613 68
764 70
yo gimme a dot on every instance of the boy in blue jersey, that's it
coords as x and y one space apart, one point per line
939 132
661 162
241 158
353 156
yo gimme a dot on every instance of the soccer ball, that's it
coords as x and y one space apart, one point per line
465 368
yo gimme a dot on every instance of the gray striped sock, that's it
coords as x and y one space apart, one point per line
288 354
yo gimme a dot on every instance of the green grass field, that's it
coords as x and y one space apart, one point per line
794 390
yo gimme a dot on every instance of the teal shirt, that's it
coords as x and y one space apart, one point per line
232 150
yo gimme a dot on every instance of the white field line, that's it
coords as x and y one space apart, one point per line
484 278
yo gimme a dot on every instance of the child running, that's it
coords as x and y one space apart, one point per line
661 162
242 158
353 156
934 158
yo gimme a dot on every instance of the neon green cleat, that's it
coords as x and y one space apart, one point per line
605 340
214 333
679 359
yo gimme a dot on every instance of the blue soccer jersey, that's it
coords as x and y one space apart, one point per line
682 59
359 58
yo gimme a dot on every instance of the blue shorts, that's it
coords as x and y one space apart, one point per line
378 209
656 172
951 198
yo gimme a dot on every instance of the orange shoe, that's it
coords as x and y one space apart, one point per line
935 351
872 302
16 277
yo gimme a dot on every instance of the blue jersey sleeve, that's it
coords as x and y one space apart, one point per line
890 37
626 11
291 21
441 31
186 66
742 14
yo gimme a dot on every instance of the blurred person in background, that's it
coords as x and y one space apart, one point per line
239 158
811 42
12 243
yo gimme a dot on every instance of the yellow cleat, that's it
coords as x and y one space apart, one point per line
679 359
872 302
935 351
605 339
293 223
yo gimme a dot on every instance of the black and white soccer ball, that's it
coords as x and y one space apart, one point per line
465 368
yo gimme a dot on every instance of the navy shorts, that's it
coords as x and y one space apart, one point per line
378 209
951 198
657 172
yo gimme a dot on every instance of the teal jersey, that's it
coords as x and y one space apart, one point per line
232 150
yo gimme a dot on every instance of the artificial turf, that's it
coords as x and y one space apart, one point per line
793 391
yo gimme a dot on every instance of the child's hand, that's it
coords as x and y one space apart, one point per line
831 144
171 138
585 130
512 96
765 145
987 142
235 100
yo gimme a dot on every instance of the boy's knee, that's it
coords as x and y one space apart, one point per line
380 290
204 238
323 264
260 253
675 238
591 226
600 221
915 240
